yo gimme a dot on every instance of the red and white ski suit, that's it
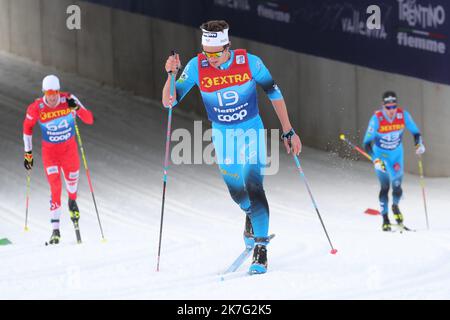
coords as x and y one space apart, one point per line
59 146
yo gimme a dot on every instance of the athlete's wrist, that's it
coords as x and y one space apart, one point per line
289 131
288 134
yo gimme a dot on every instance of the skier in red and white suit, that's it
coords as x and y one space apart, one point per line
55 112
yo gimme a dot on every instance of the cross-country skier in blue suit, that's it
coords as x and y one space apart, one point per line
227 81
383 141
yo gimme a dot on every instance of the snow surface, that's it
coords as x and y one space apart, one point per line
202 227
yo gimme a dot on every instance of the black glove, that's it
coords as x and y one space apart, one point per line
28 161
73 104
288 136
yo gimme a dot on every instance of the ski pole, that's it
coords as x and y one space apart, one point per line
166 159
83 155
302 174
361 151
422 184
27 200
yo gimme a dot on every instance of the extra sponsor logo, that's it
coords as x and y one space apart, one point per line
233 79
391 127
50 115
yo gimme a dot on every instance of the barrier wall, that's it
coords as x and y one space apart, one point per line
126 50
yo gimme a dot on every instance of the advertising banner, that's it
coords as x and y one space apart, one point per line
411 39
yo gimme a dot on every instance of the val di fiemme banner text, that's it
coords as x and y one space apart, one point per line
412 39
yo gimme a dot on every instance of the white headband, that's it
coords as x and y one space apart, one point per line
215 38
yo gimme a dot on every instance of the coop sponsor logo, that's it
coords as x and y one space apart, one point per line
60 138
233 117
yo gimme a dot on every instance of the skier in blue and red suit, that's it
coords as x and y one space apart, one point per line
383 141
55 112
227 81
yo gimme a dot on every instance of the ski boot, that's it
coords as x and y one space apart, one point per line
259 263
56 236
75 217
386 223
74 211
397 214
249 238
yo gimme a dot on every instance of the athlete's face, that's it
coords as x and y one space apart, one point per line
216 55
390 109
52 99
